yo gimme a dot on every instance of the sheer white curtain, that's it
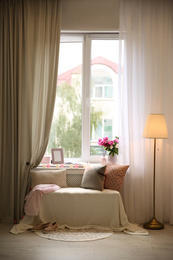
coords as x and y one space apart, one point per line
146 86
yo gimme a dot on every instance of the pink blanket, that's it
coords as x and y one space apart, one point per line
33 198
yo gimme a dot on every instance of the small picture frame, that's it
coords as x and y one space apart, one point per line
57 156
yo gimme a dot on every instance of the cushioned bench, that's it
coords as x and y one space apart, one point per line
74 206
84 208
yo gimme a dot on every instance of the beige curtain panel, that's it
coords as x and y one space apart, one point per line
29 49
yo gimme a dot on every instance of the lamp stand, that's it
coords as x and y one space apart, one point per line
154 223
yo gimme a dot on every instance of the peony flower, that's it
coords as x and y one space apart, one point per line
109 145
105 138
116 140
99 141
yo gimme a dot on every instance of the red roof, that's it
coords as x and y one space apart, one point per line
66 76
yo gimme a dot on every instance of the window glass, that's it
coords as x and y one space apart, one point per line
104 88
108 128
67 120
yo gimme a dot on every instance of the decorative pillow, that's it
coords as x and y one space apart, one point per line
74 179
93 177
57 177
115 174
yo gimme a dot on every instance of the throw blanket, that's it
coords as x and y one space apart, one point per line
33 198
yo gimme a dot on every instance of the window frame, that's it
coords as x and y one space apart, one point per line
86 74
86 39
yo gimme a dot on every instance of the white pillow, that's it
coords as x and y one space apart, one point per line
57 177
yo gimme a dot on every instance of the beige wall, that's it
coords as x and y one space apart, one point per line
90 15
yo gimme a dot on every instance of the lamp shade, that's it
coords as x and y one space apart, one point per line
155 127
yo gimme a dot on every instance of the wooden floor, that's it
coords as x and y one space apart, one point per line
28 246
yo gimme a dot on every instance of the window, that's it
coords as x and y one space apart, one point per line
86 105
103 129
102 84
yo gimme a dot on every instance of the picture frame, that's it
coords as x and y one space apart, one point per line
57 156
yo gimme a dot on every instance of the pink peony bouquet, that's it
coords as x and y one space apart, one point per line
109 145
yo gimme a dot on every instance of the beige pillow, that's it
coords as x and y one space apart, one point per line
57 177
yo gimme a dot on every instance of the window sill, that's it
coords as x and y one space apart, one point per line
66 166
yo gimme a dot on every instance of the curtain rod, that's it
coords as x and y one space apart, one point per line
89 32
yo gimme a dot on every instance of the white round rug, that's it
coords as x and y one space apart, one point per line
71 235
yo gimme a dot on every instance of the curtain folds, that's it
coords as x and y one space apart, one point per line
30 36
146 78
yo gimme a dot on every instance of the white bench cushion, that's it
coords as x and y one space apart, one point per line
84 208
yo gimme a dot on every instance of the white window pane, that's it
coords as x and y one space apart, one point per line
108 128
67 121
104 72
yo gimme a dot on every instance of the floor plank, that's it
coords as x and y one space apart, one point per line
28 246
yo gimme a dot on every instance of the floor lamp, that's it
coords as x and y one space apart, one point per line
155 128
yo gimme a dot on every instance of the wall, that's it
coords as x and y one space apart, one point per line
90 15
